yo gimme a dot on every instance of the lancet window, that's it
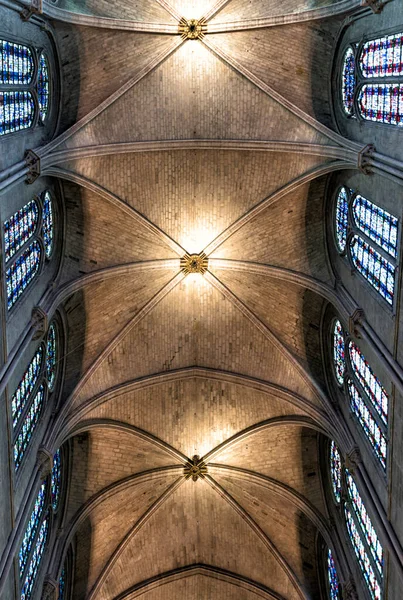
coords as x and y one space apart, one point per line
368 236
24 87
37 533
372 80
367 397
332 577
30 396
28 243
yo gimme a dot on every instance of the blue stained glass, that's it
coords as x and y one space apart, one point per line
332 577
26 386
376 223
43 86
362 556
16 111
339 352
22 272
32 528
335 470
349 81
371 384
28 427
368 423
62 584
382 57
379 272
34 565
365 523
19 228
382 103
342 219
51 357
47 224
56 478
16 64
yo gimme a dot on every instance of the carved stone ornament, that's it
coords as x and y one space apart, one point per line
355 322
39 320
349 590
194 263
44 462
192 29
375 5
33 163
353 459
195 469
364 158
50 590
35 8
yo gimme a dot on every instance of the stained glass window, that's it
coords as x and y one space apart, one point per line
16 111
365 523
376 223
379 272
28 427
62 584
33 568
56 478
349 81
371 384
43 86
362 556
26 386
22 272
382 103
47 224
342 218
16 64
382 57
19 228
332 577
335 470
51 356
338 352
368 423
32 528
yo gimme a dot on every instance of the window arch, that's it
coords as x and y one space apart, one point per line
29 240
37 532
24 87
372 80
368 235
29 399
368 398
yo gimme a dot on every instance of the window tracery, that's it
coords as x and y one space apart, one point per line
28 100
376 100
355 235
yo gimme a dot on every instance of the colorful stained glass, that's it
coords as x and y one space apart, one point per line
362 556
335 470
56 478
379 272
376 223
368 423
332 577
33 569
382 57
62 584
349 81
19 228
382 103
32 528
371 384
51 357
16 111
365 523
22 272
28 427
342 218
26 386
47 224
43 86
16 64
339 352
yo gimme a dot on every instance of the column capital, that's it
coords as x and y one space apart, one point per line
50 590
44 461
355 322
353 459
40 322
33 163
34 8
350 590
364 158
375 5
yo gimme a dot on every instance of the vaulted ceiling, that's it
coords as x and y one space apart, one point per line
218 145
